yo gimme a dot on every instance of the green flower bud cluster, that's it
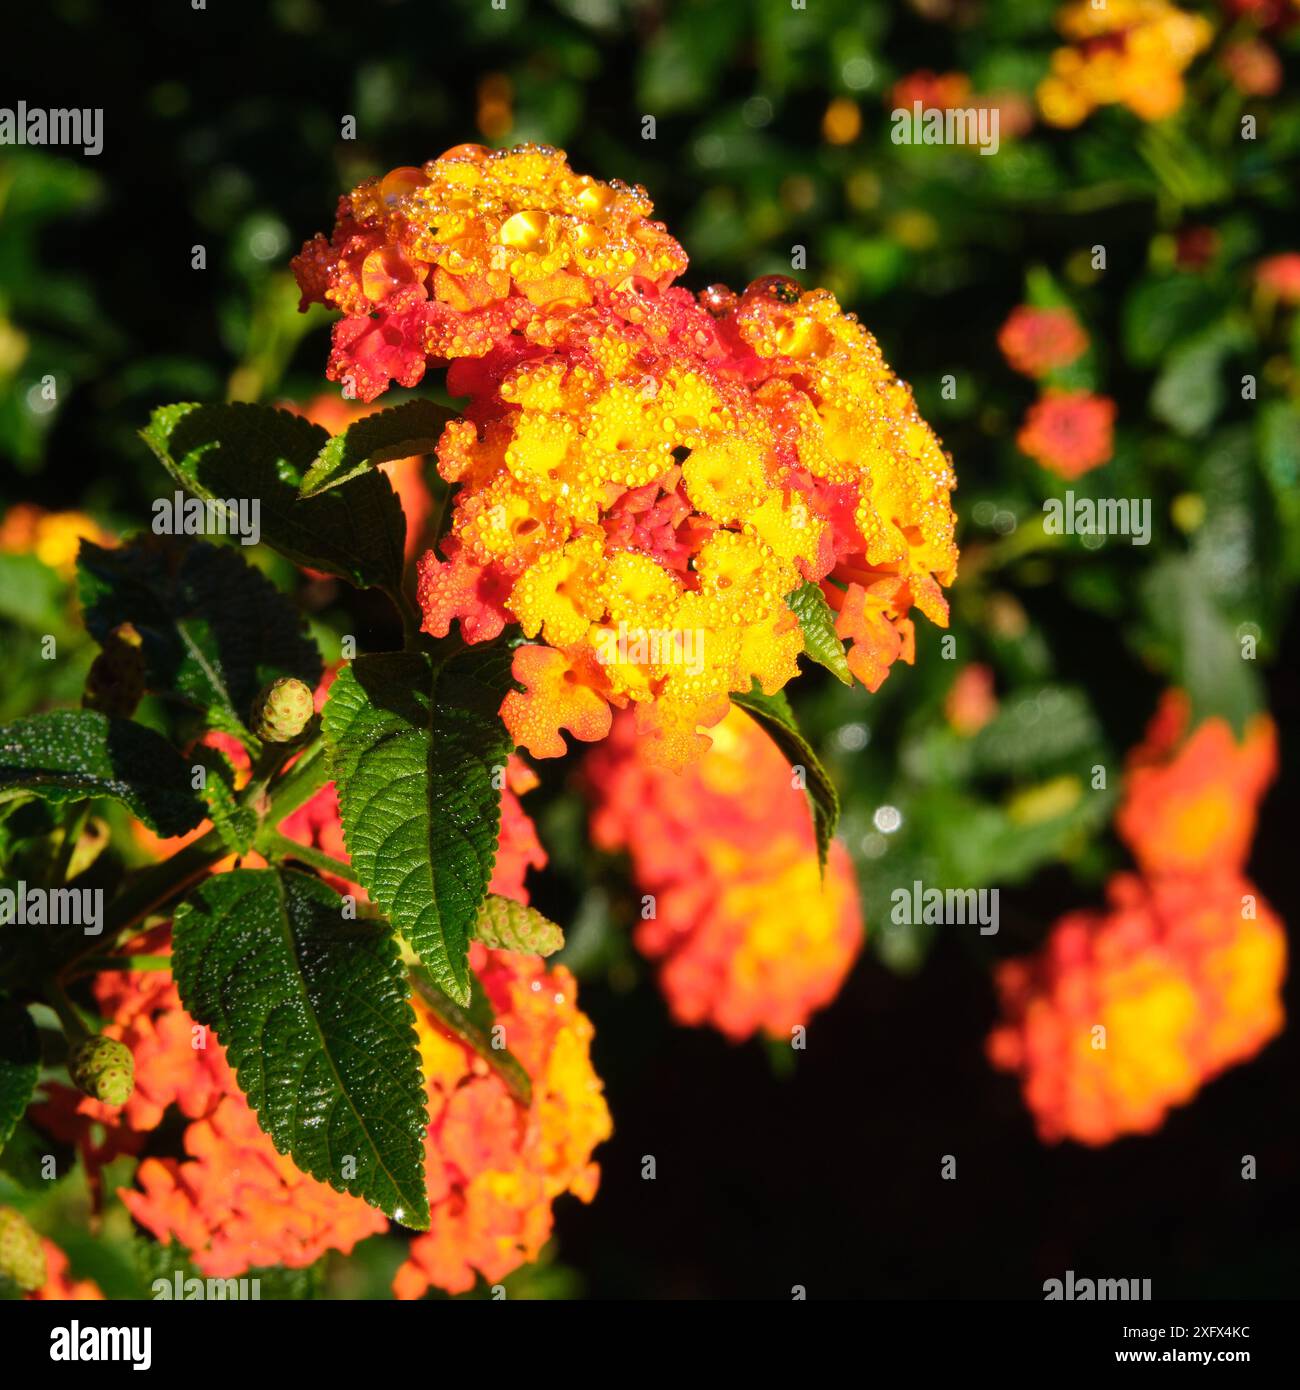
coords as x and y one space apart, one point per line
22 1256
103 1069
283 710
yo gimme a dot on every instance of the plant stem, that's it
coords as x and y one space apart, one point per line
277 846
303 780
410 615
90 965
73 829
74 1026
159 883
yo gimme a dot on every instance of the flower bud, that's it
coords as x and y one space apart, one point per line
115 681
103 1069
22 1257
283 710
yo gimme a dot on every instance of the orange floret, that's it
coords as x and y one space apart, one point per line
724 849
1279 277
555 697
971 702
1126 1013
518 848
871 618
1038 341
1069 432
461 253
1190 800
495 1168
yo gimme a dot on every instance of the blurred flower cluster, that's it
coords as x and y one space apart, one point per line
1129 1011
723 852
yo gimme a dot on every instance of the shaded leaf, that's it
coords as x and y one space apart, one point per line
1197 646
71 755
236 824
414 427
214 630
472 1024
20 1061
355 531
777 718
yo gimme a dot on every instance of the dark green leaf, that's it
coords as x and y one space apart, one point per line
219 452
313 1012
214 629
20 1061
413 745
32 595
414 427
777 718
72 755
820 643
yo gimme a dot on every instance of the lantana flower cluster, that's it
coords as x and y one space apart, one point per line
748 934
1129 52
644 475
1128 1011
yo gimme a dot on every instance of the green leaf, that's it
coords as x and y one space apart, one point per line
507 925
236 824
216 452
1189 392
820 642
413 744
1278 435
414 427
1160 313
20 1064
314 1016
777 718
72 755
32 595
215 630
472 1024
1197 645
1035 729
